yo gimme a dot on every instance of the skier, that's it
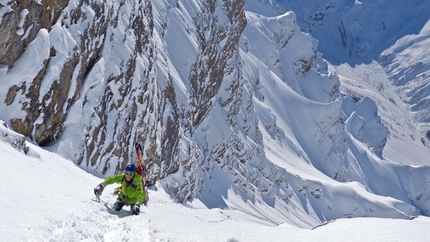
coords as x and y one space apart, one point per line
131 192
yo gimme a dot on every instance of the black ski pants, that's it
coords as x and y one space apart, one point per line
117 206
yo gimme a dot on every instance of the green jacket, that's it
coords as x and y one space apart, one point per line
132 193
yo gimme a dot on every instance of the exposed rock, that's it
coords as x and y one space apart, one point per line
21 24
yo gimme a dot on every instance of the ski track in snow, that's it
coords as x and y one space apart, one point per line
97 222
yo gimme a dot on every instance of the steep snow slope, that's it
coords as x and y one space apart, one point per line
47 198
348 134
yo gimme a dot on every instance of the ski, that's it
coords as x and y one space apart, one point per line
139 155
141 168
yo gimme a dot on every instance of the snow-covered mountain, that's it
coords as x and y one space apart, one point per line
354 32
229 98
383 42
407 64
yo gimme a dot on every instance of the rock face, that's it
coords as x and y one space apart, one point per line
100 69
21 23
189 80
19 26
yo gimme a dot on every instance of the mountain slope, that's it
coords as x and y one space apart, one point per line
46 197
408 66
228 104
358 35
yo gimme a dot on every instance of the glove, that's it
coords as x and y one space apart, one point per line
98 190
135 209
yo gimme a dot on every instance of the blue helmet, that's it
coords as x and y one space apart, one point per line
130 168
